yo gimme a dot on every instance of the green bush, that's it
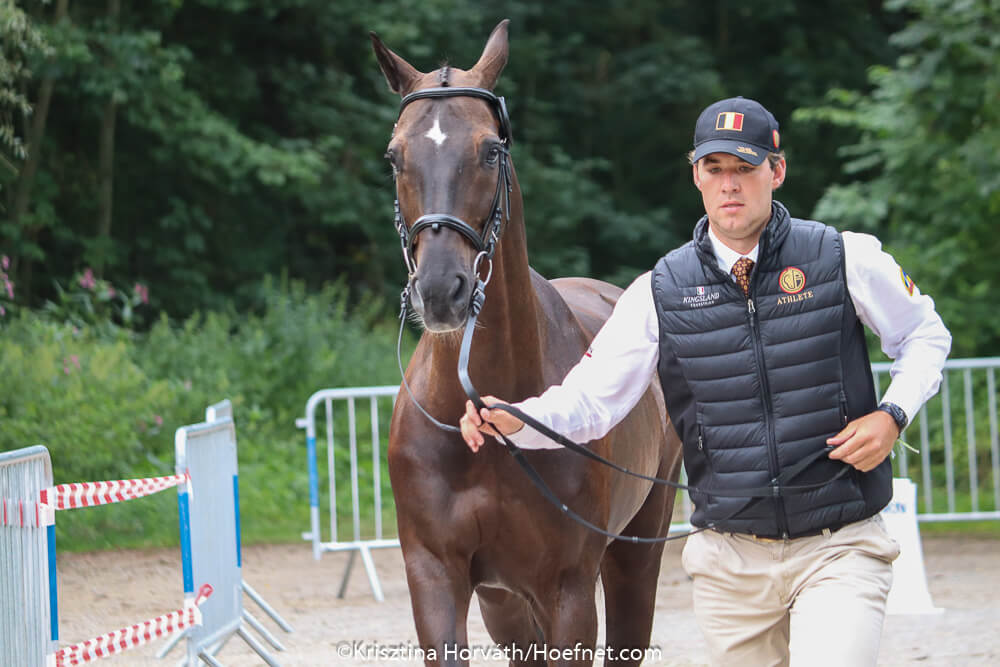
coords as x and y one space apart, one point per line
106 400
86 399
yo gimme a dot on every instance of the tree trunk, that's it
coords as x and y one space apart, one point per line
105 163
26 178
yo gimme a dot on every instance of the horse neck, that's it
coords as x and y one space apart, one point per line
505 358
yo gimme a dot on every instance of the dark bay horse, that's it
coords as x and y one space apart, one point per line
474 522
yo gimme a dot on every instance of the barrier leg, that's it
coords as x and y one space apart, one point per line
347 575
256 597
255 645
171 643
262 631
209 660
215 648
366 557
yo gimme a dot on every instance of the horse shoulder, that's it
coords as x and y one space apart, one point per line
590 300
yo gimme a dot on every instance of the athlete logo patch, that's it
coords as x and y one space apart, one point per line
908 283
791 280
729 120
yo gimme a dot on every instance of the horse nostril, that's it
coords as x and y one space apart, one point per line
458 293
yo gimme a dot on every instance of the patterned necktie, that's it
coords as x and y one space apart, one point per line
741 269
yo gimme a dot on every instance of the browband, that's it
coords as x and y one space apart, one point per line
497 103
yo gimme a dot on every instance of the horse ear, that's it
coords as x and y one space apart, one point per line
494 56
399 74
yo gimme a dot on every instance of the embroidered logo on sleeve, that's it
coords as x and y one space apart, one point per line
908 283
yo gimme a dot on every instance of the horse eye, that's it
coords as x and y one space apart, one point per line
492 156
391 157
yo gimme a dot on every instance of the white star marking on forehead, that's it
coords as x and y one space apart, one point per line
435 134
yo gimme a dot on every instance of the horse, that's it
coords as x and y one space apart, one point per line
473 523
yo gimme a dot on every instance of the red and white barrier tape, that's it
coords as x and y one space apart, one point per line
89 494
20 513
132 636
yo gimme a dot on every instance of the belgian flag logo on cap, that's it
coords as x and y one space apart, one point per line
729 120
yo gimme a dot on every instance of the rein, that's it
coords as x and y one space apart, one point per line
486 244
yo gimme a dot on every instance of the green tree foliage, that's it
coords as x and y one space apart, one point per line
244 137
19 39
926 170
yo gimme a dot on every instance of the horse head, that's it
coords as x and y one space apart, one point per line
449 156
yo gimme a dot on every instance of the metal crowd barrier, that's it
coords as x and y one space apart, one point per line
29 604
28 617
932 431
210 540
934 424
372 538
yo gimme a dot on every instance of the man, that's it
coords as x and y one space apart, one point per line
754 329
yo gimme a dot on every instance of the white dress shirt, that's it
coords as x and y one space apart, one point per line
610 379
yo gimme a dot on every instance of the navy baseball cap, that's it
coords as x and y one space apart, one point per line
739 126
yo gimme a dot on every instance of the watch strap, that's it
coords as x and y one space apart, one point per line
897 413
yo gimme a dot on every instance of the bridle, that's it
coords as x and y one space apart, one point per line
485 243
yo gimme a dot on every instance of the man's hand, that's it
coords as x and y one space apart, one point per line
473 423
865 442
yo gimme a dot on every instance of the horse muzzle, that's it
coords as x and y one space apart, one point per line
441 298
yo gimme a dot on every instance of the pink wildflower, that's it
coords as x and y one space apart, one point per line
111 292
75 359
142 292
4 262
10 288
87 280
158 419
2 311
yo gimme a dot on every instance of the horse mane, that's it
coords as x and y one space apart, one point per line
443 75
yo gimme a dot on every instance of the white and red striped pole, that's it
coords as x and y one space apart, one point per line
90 494
134 635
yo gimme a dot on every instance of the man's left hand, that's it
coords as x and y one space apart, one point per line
865 442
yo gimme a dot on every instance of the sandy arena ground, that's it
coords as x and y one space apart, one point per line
99 592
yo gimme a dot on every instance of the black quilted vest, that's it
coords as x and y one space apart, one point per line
754 385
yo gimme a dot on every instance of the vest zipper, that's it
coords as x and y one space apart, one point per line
702 443
772 447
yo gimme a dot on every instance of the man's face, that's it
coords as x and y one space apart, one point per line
737 196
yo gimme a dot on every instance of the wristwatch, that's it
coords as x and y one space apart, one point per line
896 413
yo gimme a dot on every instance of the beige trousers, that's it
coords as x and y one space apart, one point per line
805 602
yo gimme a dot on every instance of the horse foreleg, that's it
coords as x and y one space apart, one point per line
509 620
439 594
629 573
570 623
